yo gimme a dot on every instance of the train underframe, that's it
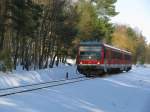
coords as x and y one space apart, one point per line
95 70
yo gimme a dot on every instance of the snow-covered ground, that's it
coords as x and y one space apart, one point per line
19 77
125 92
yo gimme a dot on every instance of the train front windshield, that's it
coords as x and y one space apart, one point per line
90 53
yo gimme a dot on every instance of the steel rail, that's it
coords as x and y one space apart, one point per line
3 89
34 87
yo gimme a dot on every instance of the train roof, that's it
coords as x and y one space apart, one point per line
90 43
103 44
115 48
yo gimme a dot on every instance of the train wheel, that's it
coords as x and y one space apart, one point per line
105 70
128 69
109 71
120 71
88 75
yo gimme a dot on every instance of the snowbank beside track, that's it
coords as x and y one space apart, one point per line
20 77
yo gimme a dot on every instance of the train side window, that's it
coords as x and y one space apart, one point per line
113 54
127 57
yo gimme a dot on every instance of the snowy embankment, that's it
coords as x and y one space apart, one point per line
20 77
124 92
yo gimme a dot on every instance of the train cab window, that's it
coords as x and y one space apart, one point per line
90 52
90 55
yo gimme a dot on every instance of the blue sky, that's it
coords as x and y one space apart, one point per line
135 13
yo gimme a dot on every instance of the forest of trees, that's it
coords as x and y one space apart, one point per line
132 40
38 33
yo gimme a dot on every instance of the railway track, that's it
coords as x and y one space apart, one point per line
37 86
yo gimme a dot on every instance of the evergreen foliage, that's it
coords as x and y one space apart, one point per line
94 22
40 33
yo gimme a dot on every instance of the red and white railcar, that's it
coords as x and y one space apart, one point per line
95 57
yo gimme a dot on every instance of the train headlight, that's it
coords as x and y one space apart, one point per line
80 62
98 62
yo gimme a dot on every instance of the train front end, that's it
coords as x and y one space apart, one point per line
90 58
